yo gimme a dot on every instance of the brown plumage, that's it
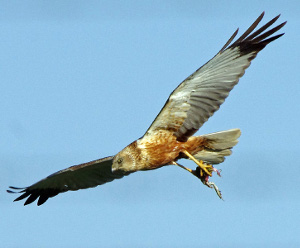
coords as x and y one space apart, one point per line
169 138
159 149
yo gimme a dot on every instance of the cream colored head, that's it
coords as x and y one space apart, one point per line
124 161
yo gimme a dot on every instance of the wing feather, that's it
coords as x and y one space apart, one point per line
87 175
200 95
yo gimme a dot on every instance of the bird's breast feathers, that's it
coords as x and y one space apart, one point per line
162 147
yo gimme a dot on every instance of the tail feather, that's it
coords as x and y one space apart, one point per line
219 146
224 139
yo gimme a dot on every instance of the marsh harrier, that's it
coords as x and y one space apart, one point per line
169 138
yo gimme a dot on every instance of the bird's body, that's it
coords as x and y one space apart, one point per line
170 136
157 150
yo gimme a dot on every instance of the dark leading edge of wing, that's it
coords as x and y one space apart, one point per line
87 175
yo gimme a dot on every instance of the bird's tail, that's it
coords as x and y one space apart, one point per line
218 146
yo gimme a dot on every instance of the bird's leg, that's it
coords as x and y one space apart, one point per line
185 168
203 177
207 168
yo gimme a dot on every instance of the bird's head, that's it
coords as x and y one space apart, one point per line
124 161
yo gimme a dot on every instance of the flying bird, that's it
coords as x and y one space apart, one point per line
170 136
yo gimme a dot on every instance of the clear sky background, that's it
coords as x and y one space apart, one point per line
79 80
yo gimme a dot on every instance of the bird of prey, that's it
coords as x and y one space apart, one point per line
170 136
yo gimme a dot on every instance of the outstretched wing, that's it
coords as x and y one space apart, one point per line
202 93
87 175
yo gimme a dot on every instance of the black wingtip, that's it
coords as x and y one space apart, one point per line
21 197
261 15
283 23
42 199
34 194
11 192
16 188
230 40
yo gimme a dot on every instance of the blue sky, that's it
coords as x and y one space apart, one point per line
82 79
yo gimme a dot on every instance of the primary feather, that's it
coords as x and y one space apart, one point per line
83 176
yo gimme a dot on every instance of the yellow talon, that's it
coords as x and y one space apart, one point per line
207 168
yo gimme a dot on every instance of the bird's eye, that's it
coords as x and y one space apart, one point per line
120 160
